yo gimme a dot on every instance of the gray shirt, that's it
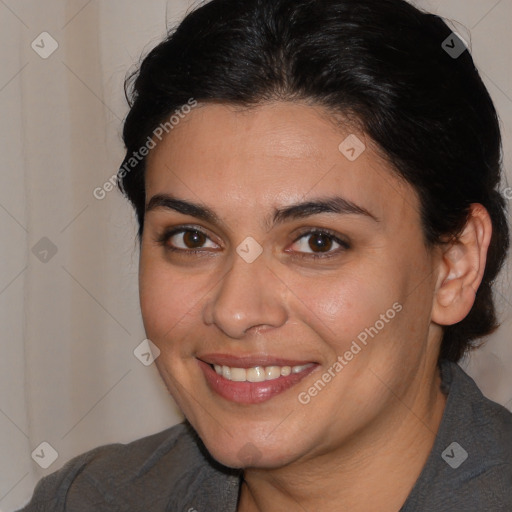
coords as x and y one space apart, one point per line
469 468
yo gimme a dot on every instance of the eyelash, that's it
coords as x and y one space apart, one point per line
166 235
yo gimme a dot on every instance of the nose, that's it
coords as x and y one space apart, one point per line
248 296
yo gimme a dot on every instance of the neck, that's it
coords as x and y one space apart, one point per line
375 469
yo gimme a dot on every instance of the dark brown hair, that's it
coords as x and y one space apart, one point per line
384 62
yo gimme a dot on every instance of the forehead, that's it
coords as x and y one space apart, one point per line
273 154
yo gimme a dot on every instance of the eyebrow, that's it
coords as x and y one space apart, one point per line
331 204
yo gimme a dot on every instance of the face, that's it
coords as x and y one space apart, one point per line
286 284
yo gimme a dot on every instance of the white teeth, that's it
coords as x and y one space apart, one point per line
237 374
258 373
272 372
298 369
225 371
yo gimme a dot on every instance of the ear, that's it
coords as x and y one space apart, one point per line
461 269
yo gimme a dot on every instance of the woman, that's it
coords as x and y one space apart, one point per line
320 224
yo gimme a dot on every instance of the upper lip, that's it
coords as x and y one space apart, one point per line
250 361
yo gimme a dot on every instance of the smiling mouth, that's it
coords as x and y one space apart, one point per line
253 384
257 373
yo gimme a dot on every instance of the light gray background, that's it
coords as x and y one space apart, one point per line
68 375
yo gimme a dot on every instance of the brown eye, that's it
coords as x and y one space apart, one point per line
319 243
193 239
186 240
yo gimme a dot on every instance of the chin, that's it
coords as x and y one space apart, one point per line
239 453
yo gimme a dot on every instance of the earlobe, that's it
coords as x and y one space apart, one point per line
448 293
461 269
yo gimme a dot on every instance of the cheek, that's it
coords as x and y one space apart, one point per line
338 308
167 300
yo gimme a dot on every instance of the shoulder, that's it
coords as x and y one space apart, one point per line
470 466
486 425
115 475
483 429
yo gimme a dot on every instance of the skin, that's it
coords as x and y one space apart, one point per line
362 441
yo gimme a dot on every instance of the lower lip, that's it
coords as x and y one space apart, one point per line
250 392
